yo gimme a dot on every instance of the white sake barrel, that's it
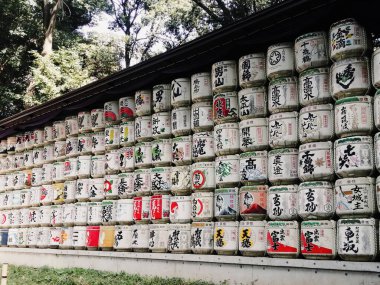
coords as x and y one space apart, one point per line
280 60
31 236
162 152
123 238
180 92
84 122
46 194
377 150
143 102
203 146
314 86
282 202
59 150
127 108
35 193
376 110
158 237
71 126
179 237
318 239
56 215
354 156
202 237
71 146
142 182
159 208
226 239
226 139
109 212
350 77
84 166
253 134
357 239
283 239
98 163
55 237
11 160
311 50
141 210
283 95
111 183
161 125
38 136
355 197
224 76
12 237
24 218
19 180
58 171
80 214
226 205
25 198
253 202
19 161
94 213
140 238
127 133
375 68
316 200
253 103
68 214
124 211
79 237
112 137
201 117
225 107
201 87
181 180
252 238
43 237
70 170
95 189
283 130
58 193
161 97
347 39
143 155
283 166
22 238
28 160
69 191
29 140
143 128
182 150
202 206
180 209
227 170
316 161
354 116
161 180
66 241
203 176
181 121
98 143
84 144
316 123
111 112
252 70
4 219
48 154
254 167
127 158
125 187
112 165
20 142
11 144
59 131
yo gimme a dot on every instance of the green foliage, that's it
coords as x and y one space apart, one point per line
21 275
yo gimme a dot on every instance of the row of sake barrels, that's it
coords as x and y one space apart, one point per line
350 239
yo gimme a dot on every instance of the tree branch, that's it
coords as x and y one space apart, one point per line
208 11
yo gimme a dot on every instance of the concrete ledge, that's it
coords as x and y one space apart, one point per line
216 268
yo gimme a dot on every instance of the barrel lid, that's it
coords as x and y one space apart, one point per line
276 224
361 99
284 115
324 224
370 221
202 224
316 184
346 21
203 134
355 139
224 62
283 151
253 223
182 139
227 224
324 107
226 94
316 146
227 190
252 90
200 74
254 188
162 141
183 227
125 174
160 169
311 35
281 45
283 80
144 144
159 227
284 188
71 118
179 109
255 122
262 153
350 60
355 180
162 85
148 170
315 71
253 55
202 164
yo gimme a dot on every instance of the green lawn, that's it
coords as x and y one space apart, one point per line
21 275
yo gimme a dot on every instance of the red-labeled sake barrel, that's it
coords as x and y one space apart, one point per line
46 194
84 122
254 167
201 87
354 116
347 39
158 237
311 50
162 152
143 102
201 117
161 97
252 70
203 176
106 237
141 210
140 238
282 202
143 128
316 200
318 239
202 237
253 202
225 107
181 92
357 239
179 236
111 112
92 237
127 108
226 237
127 158
253 134
316 161
283 95
283 130
314 86
316 123
180 209
202 206
252 238
159 208
161 180
97 120
123 238
161 125
224 76
111 182
253 103
280 60
55 237
355 197
283 239
70 168
283 166
350 77
354 156
226 204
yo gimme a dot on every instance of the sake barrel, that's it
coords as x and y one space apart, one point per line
79 237
58 195
98 166
36 177
20 142
124 211
123 238
283 130
46 194
56 215
94 213
66 241
161 97
226 240
160 179
254 167
225 107
158 237
314 86
112 137
84 166
55 237
42 237
253 134
180 92
68 214
59 150
80 214
59 131
201 87
31 236
106 237
70 168
127 133
71 126
253 103
127 108
109 212
143 155
203 176
226 139
111 183
181 121
84 144
253 202
283 166
283 95
143 102
143 128
142 182
202 206
283 239
282 202
162 152
252 70
83 188
38 137
224 76
141 210
69 191
92 237
182 150
161 125
226 204
202 237
11 144
140 238
71 146
95 190
252 238
179 236
203 146
375 68
280 60
98 143
201 117
127 158
125 187
84 122
180 209
48 154
227 170
111 112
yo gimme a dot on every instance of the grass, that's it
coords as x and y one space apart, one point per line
22 275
